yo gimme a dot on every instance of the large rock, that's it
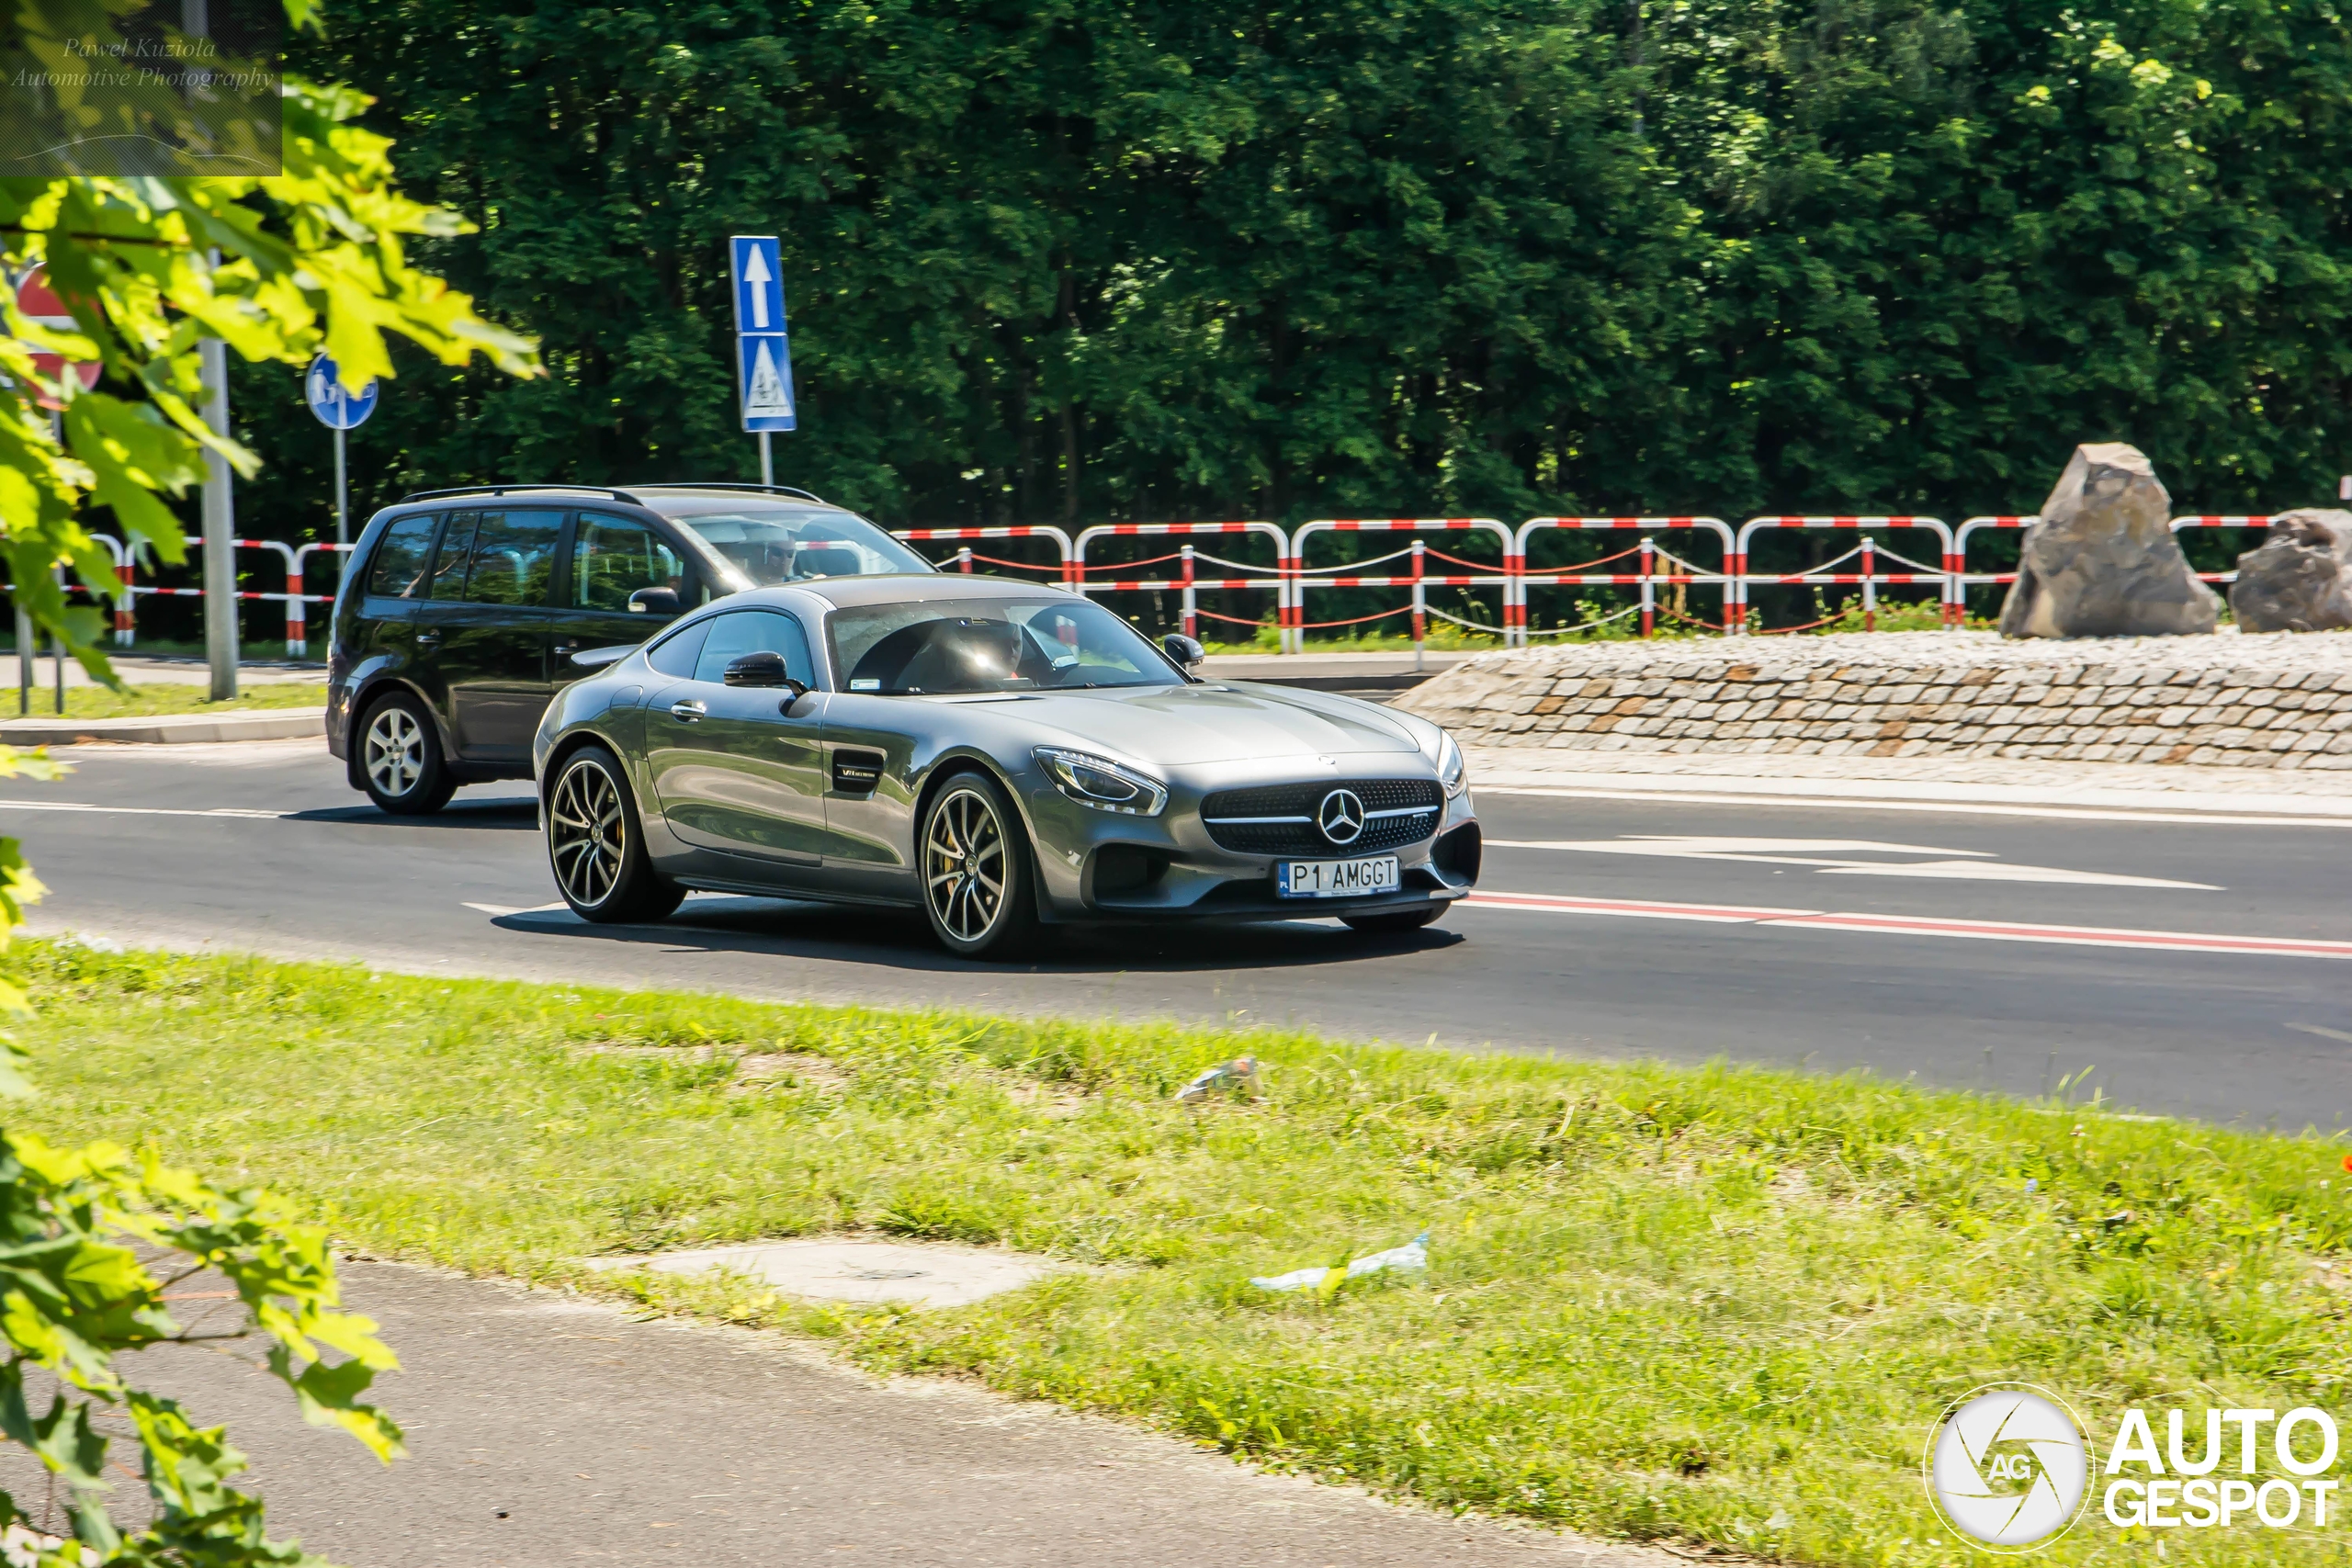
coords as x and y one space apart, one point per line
2301 579
2102 561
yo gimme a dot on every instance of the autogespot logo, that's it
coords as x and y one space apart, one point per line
2007 1467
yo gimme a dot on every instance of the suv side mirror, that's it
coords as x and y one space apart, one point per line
1183 651
654 601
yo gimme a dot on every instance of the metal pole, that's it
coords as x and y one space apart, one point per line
767 460
57 650
220 531
25 655
1649 586
342 492
1192 598
1420 606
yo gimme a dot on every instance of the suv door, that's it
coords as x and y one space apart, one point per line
493 652
741 768
610 559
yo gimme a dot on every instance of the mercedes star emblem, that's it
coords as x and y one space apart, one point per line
1341 817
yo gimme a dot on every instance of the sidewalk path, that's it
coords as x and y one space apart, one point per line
601 1438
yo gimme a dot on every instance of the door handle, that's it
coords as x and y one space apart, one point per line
687 712
426 639
566 649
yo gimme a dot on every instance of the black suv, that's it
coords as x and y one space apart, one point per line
460 611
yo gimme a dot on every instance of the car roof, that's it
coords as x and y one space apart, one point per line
900 588
666 500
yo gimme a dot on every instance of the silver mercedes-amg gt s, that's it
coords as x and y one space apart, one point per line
1003 754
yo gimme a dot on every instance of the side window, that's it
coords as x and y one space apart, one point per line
514 557
612 559
397 570
676 655
449 561
754 631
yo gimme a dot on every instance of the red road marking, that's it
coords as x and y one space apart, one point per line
1919 925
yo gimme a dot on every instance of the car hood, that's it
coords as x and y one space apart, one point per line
1226 722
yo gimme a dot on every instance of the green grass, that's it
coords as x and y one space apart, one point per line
157 698
1709 1304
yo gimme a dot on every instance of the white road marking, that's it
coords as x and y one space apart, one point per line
245 812
499 911
1809 853
2335 816
1915 925
2324 1034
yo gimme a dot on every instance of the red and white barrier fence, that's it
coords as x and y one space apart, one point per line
1278 579
1870 565
1645 577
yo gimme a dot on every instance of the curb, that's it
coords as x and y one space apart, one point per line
286 723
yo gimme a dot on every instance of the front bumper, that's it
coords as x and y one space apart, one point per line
1097 866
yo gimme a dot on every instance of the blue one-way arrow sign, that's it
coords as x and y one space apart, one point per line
762 348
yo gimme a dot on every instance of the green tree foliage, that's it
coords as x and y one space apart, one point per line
277 266
1102 258
93 1240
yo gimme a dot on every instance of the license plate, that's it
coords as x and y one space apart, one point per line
1335 878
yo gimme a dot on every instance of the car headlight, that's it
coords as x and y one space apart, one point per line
1102 783
1452 772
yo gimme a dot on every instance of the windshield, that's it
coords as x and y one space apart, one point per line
769 542
960 646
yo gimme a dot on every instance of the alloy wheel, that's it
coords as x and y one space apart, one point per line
587 833
395 752
963 865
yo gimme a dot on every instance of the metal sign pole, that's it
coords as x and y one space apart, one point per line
767 460
220 531
342 492
26 652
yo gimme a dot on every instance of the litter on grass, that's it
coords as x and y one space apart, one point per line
1241 1073
1414 1254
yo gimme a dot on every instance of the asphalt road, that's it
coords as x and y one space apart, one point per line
1663 940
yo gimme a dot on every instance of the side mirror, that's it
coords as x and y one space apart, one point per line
654 601
762 668
1183 651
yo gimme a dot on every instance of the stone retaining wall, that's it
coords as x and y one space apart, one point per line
2258 701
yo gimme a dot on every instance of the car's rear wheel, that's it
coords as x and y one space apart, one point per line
977 886
401 765
1394 924
596 844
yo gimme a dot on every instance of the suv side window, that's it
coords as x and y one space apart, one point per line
449 561
754 631
397 570
512 558
612 558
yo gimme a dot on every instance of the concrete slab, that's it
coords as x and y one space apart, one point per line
865 1272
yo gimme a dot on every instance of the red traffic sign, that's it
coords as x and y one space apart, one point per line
37 300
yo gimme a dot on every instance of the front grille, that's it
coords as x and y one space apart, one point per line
1422 798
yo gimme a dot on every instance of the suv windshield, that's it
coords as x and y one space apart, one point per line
960 646
769 542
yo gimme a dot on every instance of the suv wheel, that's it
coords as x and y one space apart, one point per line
596 846
400 764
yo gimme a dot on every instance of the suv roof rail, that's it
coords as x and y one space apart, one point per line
502 489
728 484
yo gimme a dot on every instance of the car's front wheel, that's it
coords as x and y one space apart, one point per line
977 886
596 844
400 764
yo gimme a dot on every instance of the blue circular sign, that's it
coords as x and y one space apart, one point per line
336 408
